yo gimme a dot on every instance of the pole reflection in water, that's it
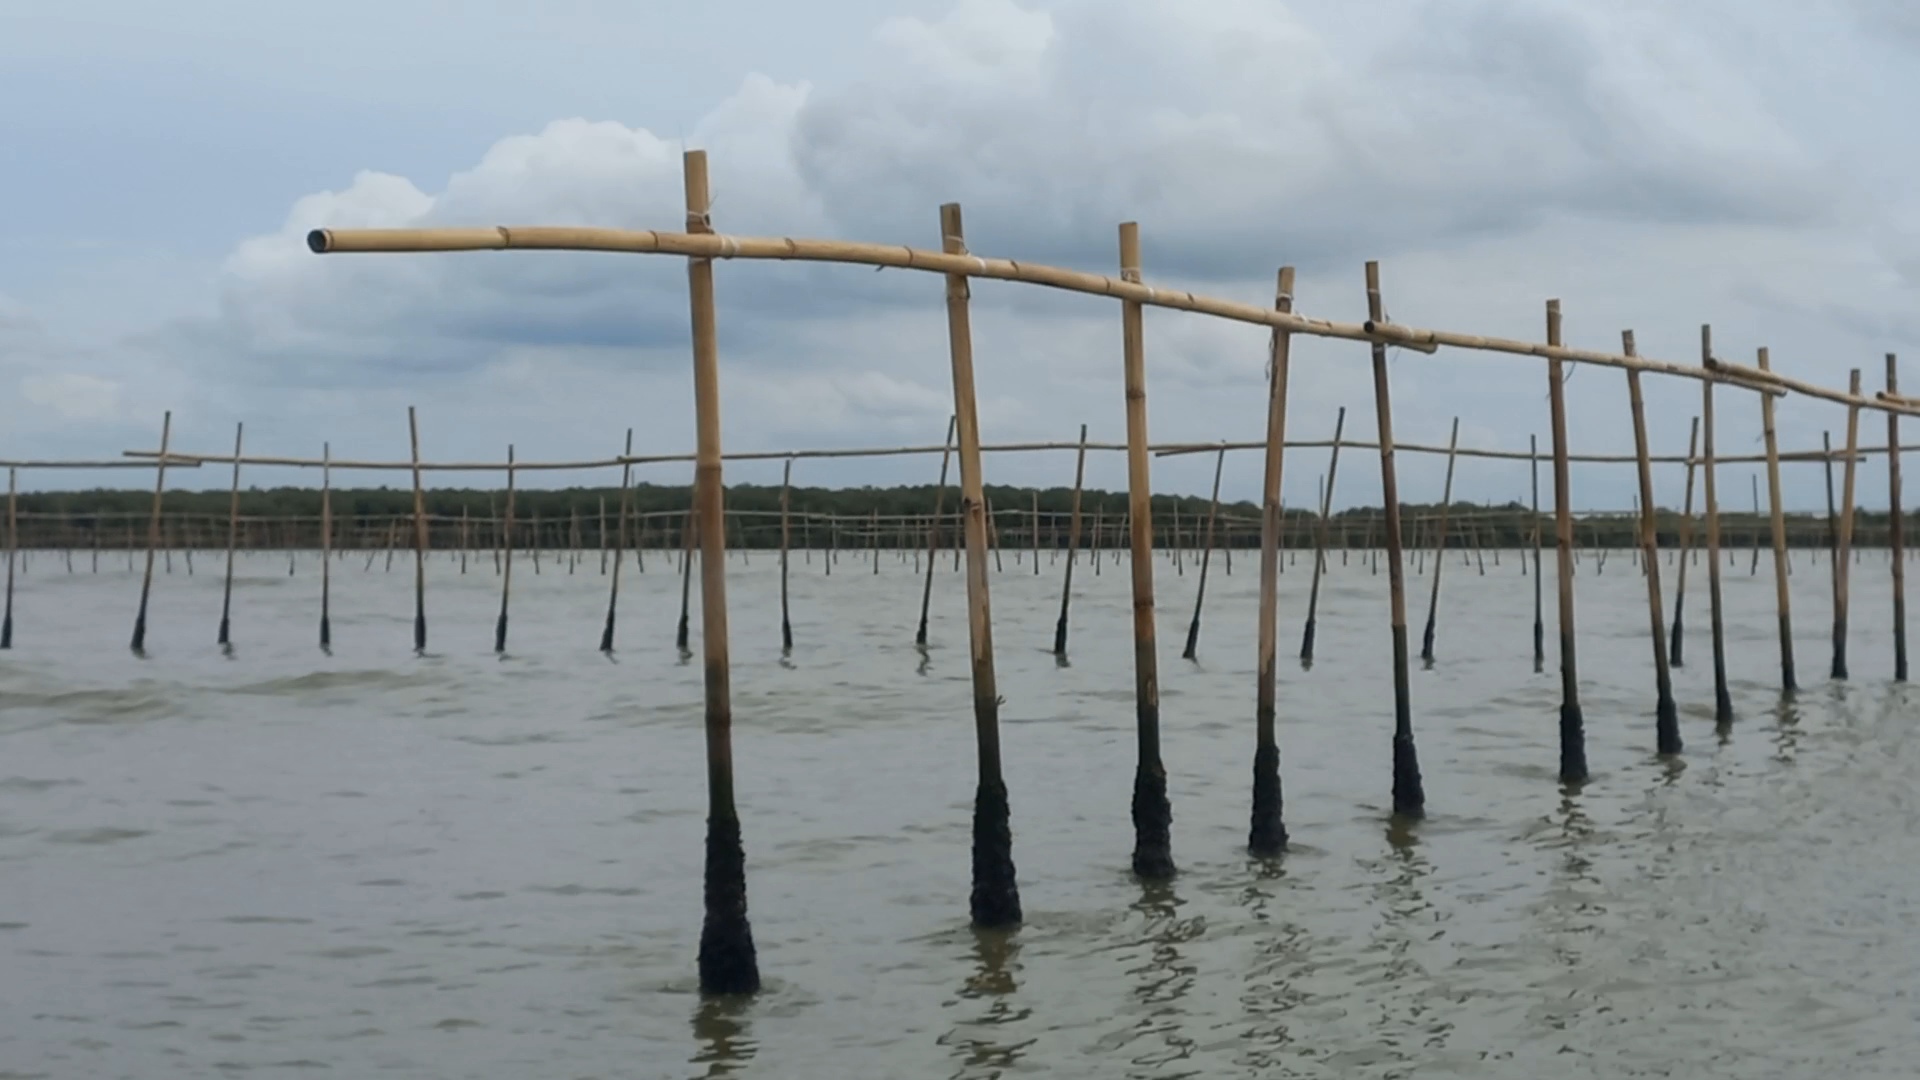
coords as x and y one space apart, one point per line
978 1042
1161 975
1272 982
720 1026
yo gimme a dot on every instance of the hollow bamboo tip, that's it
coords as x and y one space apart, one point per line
1130 250
320 241
1626 342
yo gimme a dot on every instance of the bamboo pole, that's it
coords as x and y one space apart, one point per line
1896 529
1753 567
506 576
993 536
1666 714
465 540
995 899
1173 546
1206 555
1094 550
1267 830
873 538
786 487
1573 739
933 541
1677 638
326 547
533 545
1152 813
233 537
419 540
1073 547
1722 699
153 536
613 585
1033 532
573 538
1539 611
1439 551
728 964
13 551
1833 527
1783 605
1843 563
603 534
1409 794
688 529
1320 539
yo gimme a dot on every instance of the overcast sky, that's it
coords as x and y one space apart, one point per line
1744 163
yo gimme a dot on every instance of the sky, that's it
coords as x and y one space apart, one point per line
1655 166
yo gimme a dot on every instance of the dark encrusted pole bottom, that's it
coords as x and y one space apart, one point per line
727 961
1409 794
1306 642
1152 823
1666 725
1573 745
996 895
1267 836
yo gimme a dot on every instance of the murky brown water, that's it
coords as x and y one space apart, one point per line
463 866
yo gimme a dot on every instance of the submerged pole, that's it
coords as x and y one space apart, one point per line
419 540
933 536
995 899
620 549
153 534
1539 620
326 545
233 537
1666 715
1267 831
1409 793
1722 700
1320 539
1073 547
1440 546
13 550
688 530
1206 556
1152 812
786 488
1896 533
506 576
728 964
1573 738
1843 563
1675 651
1783 605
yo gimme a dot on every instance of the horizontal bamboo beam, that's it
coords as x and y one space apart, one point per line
116 463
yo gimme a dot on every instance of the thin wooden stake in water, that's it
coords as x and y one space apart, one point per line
728 964
613 588
1666 715
1896 532
506 576
1677 639
1267 830
419 540
786 486
1573 738
233 537
1782 602
1833 526
1320 539
1539 620
1440 547
153 534
13 548
688 529
1843 561
326 545
1409 793
995 898
1206 556
1152 812
1073 547
1033 529
933 536
1722 700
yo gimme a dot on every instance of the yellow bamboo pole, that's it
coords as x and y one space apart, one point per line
1896 535
1666 714
1783 604
1573 739
1267 830
1843 560
1073 548
326 547
1722 699
233 536
933 540
506 576
153 535
1409 792
419 540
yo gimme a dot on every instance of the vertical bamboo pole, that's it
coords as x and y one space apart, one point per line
603 534
1666 714
465 541
1896 532
993 537
1440 547
1573 739
1033 530
1094 546
1753 567
1267 830
873 537
573 539
933 535
786 488
995 899
326 545
1073 547
534 541
1782 604
1173 542
13 549
1843 562
1152 812
1722 700
1206 556
153 534
613 585
1320 538
1409 795
233 537
506 576
727 961
1539 621
1833 525
419 540
688 529
1676 640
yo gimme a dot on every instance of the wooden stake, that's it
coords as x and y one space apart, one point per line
603 534
786 487
1152 812
506 576
993 536
1676 640
465 540
1094 548
1073 547
1539 621
933 536
13 550
1033 530
1896 531
1267 830
1206 556
728 964
1833 528
1573 739
1409 793
1666 713
1320 539
873 537
613 587
326 546
688 529
419 540
995 898
1722 700
1843 562
233 537
1440 547
153 535
1781 568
